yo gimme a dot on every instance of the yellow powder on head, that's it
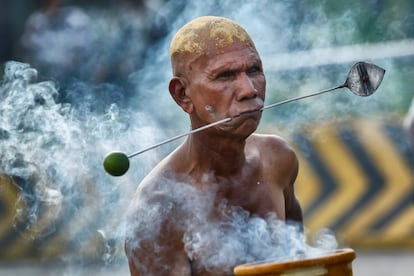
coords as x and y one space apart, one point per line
207 33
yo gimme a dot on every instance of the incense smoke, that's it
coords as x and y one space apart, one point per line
110 73
217 238
54 153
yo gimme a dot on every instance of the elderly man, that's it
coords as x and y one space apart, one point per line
188 209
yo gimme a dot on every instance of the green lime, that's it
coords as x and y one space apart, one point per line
116 163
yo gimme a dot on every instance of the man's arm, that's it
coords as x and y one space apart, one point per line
153 245
151 258
284 165
292 207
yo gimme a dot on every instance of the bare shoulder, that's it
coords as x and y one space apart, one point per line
154 224
148 210
273 147
278 159
279 162
152 204
157 194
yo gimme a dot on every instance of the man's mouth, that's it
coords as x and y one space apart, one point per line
248 112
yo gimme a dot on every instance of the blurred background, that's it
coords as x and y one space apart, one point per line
82 78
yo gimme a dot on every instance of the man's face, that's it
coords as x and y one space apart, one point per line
226 83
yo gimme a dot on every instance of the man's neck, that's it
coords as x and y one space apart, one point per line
223 155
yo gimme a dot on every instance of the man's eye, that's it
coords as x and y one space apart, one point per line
225 74
254 69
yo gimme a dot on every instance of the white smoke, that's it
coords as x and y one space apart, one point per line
216 235
54 153
53 139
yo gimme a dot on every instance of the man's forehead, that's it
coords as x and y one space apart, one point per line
231 58
205 34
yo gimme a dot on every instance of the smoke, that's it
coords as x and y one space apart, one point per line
129 46
217 236
107 76
285 27
54 153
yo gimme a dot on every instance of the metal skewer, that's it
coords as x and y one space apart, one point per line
363 80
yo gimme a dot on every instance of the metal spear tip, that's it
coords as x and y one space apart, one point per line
116 163
364 78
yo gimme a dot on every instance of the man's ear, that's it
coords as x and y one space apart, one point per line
177 89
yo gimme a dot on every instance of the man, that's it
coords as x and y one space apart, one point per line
219 181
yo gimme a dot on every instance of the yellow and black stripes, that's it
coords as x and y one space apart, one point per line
364 175
356 178
32 228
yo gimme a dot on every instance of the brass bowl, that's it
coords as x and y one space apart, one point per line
336 263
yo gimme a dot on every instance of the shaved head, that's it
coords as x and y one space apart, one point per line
204 36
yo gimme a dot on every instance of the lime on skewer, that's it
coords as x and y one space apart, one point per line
116 163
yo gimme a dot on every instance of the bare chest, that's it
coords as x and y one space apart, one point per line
257 197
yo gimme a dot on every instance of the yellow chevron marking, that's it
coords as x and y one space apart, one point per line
43 224
8 195
379 241
402 226
352 182
399 233
307 187
397 178
34 231
78 223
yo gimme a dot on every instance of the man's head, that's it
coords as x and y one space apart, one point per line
204 36
217 73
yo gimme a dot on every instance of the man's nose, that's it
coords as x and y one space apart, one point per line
246 88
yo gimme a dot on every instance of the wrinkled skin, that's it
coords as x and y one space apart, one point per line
229 162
